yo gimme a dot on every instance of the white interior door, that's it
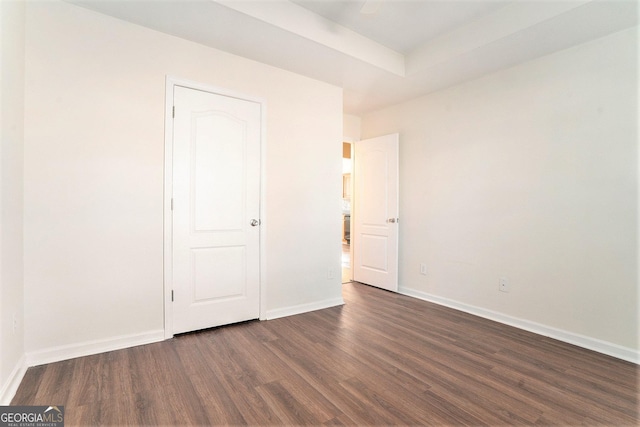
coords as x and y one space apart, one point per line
216 207
375 212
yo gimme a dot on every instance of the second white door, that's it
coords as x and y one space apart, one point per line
375 217
216 209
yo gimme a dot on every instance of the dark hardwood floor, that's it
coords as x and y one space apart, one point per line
381 359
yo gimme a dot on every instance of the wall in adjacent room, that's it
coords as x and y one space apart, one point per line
352 125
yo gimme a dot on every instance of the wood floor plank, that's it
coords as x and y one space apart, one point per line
340 420
586 390
56 383
313 379
556 404
109 412
393 413
30 384
409 359
381 359
220 406
101 377
288 405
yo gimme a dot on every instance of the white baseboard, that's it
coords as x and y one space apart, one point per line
10 387
303 308
610 349
56 354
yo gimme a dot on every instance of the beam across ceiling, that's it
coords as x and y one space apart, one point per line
300 21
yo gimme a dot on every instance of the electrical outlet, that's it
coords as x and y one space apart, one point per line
503 285
15 322
330 273
423 269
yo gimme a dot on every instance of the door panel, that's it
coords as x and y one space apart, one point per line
375 212
373 175
216 194
217 154
374 252
219 273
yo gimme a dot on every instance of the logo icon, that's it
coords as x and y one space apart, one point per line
32 416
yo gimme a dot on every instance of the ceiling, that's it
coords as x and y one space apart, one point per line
398 50
402 25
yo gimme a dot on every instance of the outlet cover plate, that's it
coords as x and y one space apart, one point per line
423 269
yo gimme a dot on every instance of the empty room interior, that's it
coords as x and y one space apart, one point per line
181 244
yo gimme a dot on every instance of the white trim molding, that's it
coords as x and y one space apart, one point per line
303 308
10 387
64 352
600 346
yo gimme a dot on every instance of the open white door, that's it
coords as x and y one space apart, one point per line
216 209
375 212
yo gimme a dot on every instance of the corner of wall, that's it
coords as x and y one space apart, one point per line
351 127
10 386
12 55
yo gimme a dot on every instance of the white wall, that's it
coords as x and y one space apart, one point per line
352 127
11 192
528 173
94 139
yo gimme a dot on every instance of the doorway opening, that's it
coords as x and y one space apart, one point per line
347 167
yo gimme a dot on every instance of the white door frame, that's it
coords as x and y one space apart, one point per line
171 82
351 142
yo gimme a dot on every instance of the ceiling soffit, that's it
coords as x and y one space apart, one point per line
289 36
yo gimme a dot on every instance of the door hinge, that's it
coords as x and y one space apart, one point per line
171 295
172 203
173 111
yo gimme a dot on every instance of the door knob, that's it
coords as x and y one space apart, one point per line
393 220
255 222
